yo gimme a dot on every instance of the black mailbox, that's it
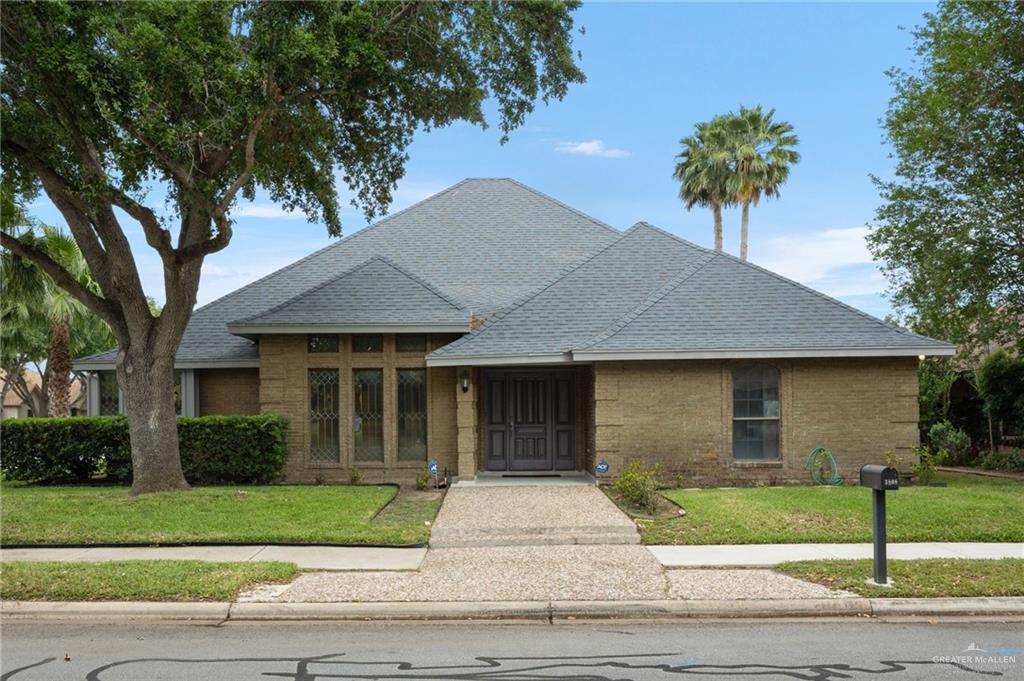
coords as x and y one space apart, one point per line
879 477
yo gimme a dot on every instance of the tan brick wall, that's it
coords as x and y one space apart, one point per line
284 390
228 392
679 413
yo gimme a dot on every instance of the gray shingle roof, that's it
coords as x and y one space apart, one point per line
377 292
584 301
482 242
652 293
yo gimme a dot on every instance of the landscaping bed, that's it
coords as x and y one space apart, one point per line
968 508
137 580
927 578
291 514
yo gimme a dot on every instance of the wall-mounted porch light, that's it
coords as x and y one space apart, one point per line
464 381
921 357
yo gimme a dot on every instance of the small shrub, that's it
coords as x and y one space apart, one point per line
214 449
355 476
423 480
894 460
1012 461
927 462
945 436
639 485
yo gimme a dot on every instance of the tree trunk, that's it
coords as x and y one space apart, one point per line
718 226
744 230
58 366
148 385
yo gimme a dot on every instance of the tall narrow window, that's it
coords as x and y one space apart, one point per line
755 412
110 399
368 421
412 414
324 444
178 393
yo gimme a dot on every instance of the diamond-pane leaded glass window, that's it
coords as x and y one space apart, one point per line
368 342
411 342
412 414
323 416
368 424
755 412
110 401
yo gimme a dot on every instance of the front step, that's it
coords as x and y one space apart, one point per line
487 539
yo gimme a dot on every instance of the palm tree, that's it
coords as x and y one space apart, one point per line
33 304
703 171
760 153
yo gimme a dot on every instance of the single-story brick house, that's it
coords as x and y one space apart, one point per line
492 328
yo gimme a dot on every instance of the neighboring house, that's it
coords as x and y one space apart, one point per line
588 345
15 406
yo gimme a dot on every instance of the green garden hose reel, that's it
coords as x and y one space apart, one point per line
823 466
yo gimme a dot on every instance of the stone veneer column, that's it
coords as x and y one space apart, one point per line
466 421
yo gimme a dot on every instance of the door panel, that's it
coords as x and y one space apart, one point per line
529 420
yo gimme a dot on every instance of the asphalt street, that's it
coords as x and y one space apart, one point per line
819 650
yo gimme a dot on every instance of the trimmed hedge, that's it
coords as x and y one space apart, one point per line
214 449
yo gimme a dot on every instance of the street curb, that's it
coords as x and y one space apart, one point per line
125 610
515 610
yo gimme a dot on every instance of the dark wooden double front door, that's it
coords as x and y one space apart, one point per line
529 420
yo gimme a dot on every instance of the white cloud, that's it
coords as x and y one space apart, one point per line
591 148
833 261
265 210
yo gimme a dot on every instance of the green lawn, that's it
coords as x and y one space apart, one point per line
278 513
970 508
930 578
136 580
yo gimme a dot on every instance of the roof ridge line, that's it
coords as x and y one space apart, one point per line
421 281
647 303
498 315
793 283
311 289
552 199
342 240
352 270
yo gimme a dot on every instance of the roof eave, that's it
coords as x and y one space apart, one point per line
105 365
500 360
763 353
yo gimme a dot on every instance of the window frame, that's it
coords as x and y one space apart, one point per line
337 417
425 396
356 349
310 349
736 373
409 336
357 417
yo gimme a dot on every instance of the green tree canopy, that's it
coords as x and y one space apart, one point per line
950 233
212 100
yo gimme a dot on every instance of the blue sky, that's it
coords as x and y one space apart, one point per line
653 70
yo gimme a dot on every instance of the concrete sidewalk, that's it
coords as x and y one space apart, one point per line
306 557
768 555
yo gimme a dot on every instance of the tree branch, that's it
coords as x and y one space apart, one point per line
64 279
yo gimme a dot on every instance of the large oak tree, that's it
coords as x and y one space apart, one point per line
212 100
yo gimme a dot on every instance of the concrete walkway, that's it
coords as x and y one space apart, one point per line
529 515
306 557
768 555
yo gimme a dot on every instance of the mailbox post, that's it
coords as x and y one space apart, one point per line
879 479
